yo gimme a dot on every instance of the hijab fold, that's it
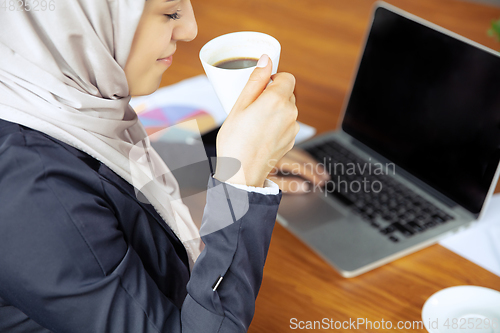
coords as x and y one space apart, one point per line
61 73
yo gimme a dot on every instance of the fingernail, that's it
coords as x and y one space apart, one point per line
263 61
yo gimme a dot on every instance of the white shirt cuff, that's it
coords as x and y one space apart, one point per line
270 188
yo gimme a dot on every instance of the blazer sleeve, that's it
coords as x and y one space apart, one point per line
65 263
236 229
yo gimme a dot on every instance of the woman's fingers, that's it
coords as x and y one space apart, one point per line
283 84
305 157
256 83
262 126
304 170
298 162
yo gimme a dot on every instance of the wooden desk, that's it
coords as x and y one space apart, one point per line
321 42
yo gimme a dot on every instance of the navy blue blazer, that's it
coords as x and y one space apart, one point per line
80 253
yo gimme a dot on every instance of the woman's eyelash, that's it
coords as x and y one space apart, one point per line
174 16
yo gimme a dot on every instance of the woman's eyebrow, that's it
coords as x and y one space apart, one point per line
164 2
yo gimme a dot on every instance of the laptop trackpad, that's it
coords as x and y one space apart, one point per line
305 212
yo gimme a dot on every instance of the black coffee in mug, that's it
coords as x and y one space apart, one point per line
236 63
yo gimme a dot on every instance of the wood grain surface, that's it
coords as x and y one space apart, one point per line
321 43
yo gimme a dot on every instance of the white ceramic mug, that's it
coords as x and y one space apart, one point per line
229 83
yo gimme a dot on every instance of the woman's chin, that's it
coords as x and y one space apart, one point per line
145 88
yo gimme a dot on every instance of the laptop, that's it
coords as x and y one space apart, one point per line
417 154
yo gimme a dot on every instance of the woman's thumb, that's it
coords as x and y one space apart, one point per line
256 83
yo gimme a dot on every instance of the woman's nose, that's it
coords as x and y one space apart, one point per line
186 29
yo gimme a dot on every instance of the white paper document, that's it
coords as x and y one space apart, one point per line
481 242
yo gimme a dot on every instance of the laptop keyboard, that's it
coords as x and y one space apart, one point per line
387 205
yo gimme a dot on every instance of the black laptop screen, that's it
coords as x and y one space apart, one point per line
431 104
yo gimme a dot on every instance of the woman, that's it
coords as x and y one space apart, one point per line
79 252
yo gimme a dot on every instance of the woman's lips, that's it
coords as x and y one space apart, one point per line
166 61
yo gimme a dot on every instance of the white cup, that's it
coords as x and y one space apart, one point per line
229 83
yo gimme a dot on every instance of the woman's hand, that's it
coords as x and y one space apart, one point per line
298 172
260 129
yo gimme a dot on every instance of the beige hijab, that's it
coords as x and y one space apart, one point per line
61 72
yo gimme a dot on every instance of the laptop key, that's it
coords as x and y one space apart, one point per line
360 204
394 238
387 230
367 217
403 229
387 216
369 210
439 219
421 219
357 210
415 226
430 224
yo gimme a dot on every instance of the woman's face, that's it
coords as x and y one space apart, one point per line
163 23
